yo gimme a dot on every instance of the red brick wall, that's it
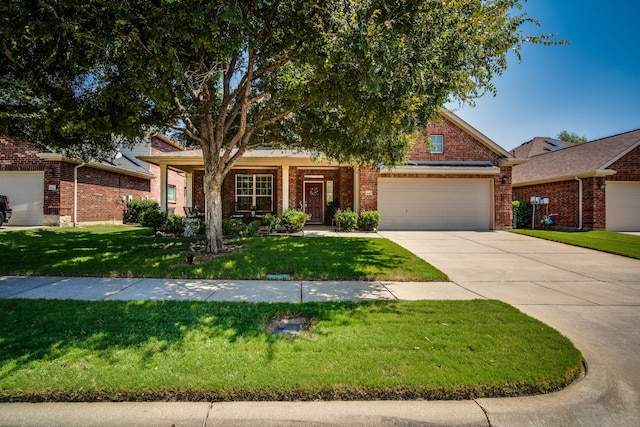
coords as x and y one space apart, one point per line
229 189
368 182
19 157
100 192
627 168
564 200
457 145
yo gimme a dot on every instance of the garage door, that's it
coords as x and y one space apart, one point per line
623 206
26 192
434 204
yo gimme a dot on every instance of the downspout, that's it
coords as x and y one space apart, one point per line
579 202
75 193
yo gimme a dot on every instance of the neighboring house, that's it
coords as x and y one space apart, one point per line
47 188
595 185
458 180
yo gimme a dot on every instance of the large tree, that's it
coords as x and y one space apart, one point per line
347 78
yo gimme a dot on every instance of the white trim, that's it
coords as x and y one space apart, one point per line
285 187
447 170
595 174
620 155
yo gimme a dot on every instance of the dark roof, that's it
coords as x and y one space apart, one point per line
580 160
123 161
539 145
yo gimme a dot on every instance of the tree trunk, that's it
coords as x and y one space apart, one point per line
213 208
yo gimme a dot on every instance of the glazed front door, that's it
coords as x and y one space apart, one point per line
313 197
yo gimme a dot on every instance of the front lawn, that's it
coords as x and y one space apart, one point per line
605 241
122 251
53 350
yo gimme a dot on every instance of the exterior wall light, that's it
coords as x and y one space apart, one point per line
603 184
505 178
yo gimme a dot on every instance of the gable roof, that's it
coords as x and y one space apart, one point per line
193 157
582 160
539 145
507 159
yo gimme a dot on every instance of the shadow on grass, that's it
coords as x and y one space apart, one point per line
127 252
51 330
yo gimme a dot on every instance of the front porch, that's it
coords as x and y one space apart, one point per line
267 181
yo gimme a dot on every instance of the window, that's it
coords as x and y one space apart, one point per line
254 192
436 144
171 193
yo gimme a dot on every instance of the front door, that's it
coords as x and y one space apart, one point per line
314 197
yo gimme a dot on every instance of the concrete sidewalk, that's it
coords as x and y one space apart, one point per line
101 289
590 297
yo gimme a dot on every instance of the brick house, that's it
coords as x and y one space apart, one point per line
456 178
48 188
595 185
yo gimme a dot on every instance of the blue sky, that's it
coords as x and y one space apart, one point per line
590 87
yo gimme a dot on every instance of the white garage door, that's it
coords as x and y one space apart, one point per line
434 204
623 206
26 193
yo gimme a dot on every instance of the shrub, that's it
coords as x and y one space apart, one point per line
368 220
294 220
202 227
135 209
153 218
521 213
270 222
233 227
346 220
253 229
175 225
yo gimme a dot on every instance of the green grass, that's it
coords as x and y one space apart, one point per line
52 350
121 251
606 241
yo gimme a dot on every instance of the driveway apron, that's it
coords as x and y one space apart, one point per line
591 297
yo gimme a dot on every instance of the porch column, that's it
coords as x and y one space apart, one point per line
188 191
285 187
163 187
356 188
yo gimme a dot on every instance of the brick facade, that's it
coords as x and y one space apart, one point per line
341 177
564 195
564 200
461 144
102 194
458 145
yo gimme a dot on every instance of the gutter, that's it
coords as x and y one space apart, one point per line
75 193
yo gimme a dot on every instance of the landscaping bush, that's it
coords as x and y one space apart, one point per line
521 213
294 220
368 220
175 225
270 222
153 218
346 220
135 209
253 228
233 227
202 228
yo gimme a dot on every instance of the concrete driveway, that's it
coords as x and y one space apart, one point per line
591 297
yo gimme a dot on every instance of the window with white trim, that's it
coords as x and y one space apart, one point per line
436 143
171 193
254 192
